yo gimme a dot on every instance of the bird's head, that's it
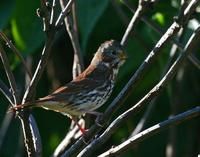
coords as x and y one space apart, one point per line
110 54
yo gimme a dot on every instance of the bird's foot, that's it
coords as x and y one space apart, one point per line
85 138
99 120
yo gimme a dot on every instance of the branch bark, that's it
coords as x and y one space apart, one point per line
6 92
133 141
64 13
9 74
159 30
17 53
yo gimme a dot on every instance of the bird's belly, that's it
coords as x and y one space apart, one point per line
63 108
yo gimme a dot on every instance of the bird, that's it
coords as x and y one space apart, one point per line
90 89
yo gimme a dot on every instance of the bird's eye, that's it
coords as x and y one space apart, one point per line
113 52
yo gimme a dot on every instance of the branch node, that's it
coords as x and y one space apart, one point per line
40 13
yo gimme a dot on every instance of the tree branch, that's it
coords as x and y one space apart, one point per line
159 30
6 92
4 127
143 4
17 53
29 127
31 133
72 31
40 67
137 76
73 134
135 140
64 13
9 74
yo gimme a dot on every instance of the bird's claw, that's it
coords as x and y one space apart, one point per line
99 121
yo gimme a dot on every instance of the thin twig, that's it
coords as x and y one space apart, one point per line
31 133
136 78
135 19
45 15
159 30
9 74
32 138
69 138
63 13
192 42
151 105
6 92
29 126
171 146
78 64
193 59
72 31
52 12
40 67
4 127
131 142
120 12
16 51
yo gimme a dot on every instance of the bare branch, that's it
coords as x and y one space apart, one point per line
151 105
159 30
137 77
70 136
135 19
9 74
52 12
29 128
6 92
4 127
17 53
40 68
131 142
73 34
45 15
32 138
63 13
194 60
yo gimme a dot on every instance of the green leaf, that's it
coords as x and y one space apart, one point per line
6 9
88 12
26 27
159 17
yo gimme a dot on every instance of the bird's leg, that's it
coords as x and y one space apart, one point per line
83 131
99 117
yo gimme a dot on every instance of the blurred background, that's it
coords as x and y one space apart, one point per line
98 21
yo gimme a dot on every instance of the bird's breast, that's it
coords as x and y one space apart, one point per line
97 97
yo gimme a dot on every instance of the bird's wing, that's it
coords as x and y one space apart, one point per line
73 88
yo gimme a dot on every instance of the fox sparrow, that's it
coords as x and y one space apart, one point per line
90 89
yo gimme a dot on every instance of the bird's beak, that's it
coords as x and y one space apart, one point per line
122 55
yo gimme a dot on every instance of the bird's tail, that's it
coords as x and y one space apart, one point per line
21 106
